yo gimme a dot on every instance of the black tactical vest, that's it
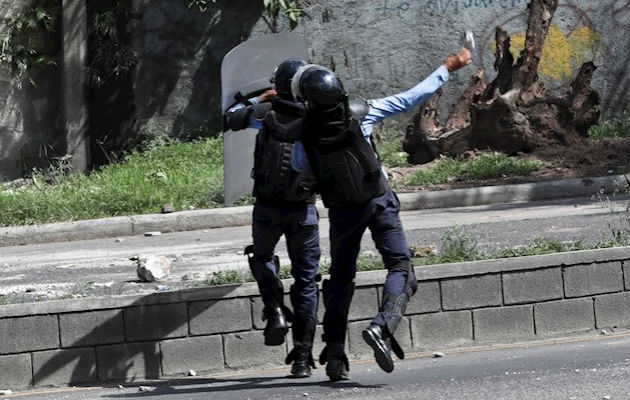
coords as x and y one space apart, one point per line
274 178
346 165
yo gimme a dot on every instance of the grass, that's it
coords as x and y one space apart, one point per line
487 166
615 128
184 174
390 150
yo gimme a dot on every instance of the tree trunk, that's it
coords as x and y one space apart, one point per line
514 112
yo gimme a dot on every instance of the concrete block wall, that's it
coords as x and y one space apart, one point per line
217 329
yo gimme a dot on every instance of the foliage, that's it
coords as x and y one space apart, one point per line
615 128
291 9
25 40
110 57
487 166
618 222
183 174
390 150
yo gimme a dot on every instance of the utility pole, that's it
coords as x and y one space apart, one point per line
74 82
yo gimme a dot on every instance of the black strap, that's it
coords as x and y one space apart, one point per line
242 99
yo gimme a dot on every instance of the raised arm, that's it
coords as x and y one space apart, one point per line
402 102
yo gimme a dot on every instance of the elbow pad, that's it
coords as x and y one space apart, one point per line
238 119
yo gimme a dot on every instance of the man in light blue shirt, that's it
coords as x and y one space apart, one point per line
385 107
338 142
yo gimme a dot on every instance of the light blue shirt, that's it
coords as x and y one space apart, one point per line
378 111
403 102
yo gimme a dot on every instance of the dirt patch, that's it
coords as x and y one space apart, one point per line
583 158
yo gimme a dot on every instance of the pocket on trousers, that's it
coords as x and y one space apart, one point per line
311 216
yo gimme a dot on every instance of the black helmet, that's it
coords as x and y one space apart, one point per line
318 87
283 74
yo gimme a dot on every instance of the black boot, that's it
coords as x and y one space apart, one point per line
276 328
379 341
337 365
301 356
302 362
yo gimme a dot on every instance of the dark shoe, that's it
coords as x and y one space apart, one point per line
337 366
302 362
276 328
376 339
301 368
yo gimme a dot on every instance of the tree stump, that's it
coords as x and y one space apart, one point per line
514 113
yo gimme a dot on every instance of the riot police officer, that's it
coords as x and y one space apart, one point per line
353 186
285 204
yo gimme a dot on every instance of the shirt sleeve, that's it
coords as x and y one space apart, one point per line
252 122
403 102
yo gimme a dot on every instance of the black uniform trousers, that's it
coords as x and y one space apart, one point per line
299 224
347 225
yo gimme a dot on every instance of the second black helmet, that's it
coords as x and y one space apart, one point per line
283 75
318 87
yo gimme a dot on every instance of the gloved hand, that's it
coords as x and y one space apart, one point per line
459 60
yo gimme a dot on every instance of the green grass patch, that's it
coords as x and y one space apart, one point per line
390 151
487 166
184 174
615 128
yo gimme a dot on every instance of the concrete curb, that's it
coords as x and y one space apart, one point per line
218 329
239 216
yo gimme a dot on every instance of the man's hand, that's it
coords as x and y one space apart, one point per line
459 60
266 95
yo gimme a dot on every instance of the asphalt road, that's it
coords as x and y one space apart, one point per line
588 368
103 266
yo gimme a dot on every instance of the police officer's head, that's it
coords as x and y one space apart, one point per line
283 75
318 88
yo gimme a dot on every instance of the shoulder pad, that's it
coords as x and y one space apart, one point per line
261 109
358 108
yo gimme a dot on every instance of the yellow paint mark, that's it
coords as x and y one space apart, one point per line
559 50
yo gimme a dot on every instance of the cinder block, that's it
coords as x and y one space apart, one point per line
441 330
626 274
156 322
613 310
472 292
503 324
128 362
564 316
201 353
219 316
532 286
16 371
426 299
585 280
358 349
40 332
63 367
247 349
364 304
90 328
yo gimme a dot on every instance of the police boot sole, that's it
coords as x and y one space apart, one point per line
275 336
381 354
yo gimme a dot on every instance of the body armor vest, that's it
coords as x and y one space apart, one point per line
347 167
274 177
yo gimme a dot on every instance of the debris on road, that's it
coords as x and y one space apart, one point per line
153 268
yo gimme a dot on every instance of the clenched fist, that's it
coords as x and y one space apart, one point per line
459 60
